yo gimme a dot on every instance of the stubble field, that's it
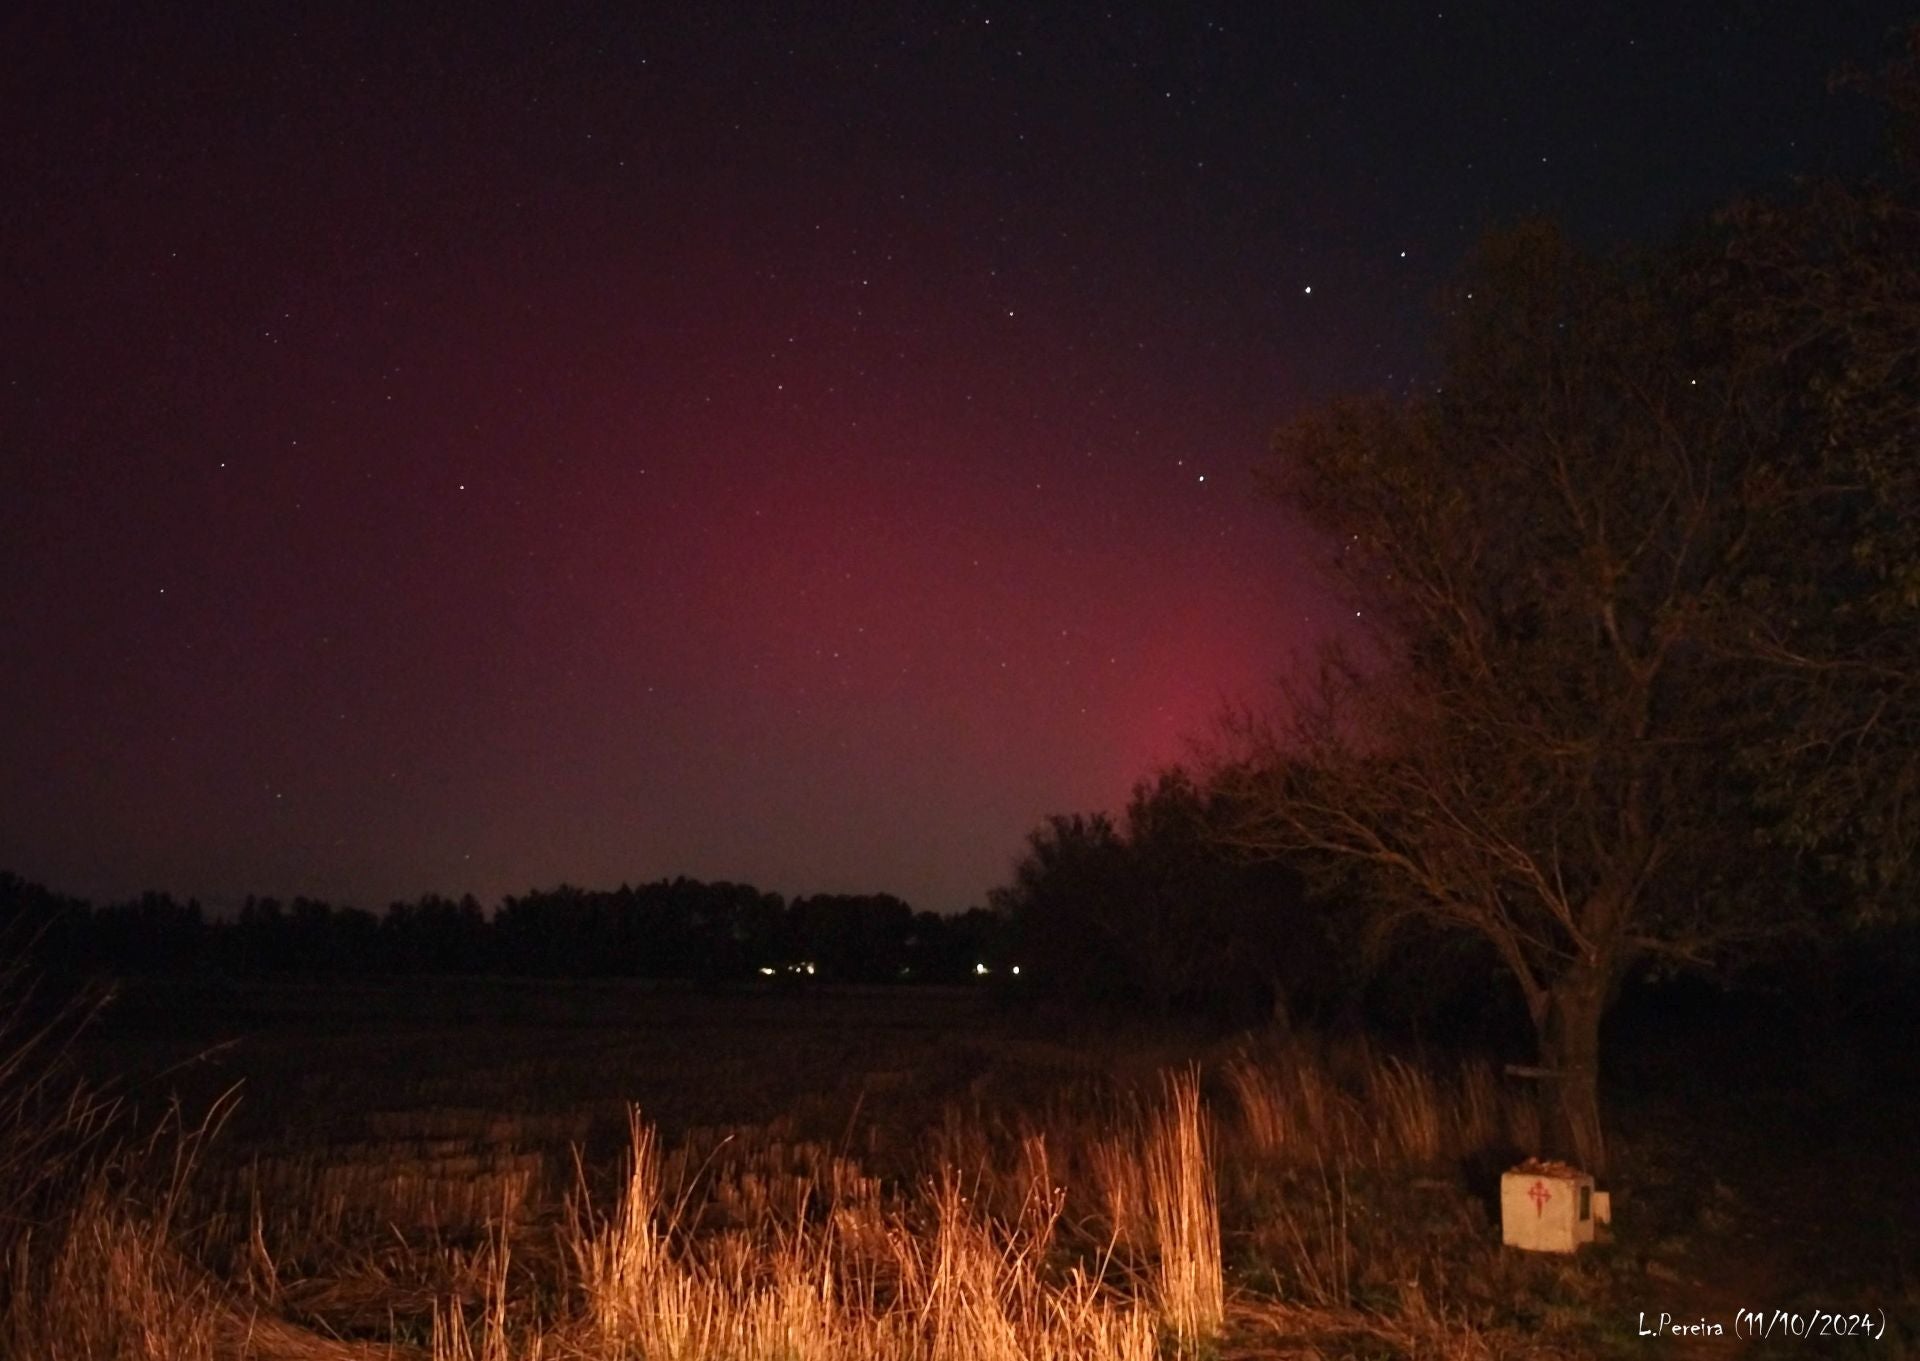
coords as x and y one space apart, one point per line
495 1170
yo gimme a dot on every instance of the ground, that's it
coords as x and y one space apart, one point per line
375 1130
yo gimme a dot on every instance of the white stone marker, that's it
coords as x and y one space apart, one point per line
1546 1207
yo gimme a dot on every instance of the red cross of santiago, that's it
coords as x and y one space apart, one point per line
1539 1195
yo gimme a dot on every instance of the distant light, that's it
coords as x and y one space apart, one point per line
1307 289
1016 969
767 969
980 968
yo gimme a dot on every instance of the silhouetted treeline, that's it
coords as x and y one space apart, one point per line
1153 912
1159 911
674 929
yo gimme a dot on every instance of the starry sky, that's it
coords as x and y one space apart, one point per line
459 448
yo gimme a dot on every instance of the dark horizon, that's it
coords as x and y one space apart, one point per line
475 455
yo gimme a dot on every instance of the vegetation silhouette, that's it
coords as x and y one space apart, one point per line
1640 576
675 929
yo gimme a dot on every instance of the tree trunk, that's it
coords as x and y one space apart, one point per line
1279 1017
1569 1036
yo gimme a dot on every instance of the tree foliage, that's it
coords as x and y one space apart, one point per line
1819 296
1147 912
1643 582
677 929
1535 750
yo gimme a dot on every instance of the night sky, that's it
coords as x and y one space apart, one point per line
466 453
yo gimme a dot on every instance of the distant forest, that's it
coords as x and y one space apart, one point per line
673 929
1145 912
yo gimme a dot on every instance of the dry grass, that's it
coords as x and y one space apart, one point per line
1184 1209
91 1266
1344 1171
862 1274
107 1283
49 1124
1302 1102
1085 1226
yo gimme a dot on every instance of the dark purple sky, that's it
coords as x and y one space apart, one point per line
472 452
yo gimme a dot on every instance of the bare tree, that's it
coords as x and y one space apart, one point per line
1535 749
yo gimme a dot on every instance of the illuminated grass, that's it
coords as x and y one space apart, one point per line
1083 1219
